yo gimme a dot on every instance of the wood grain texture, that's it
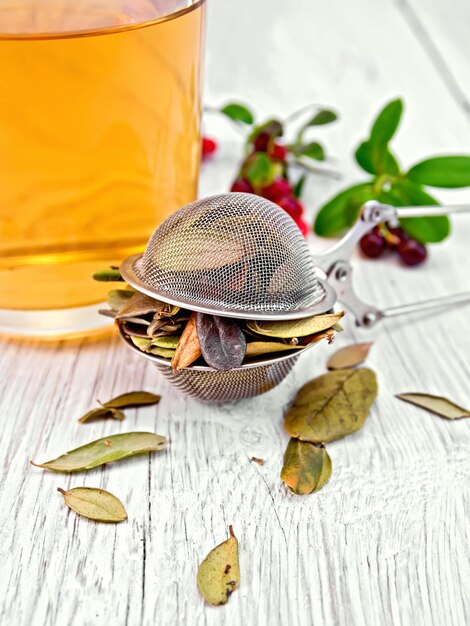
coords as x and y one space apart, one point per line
387 540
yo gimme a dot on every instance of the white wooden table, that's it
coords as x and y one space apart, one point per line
387 540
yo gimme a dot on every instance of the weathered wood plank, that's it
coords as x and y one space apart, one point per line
386 541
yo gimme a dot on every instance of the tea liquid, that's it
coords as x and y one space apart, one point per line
99 138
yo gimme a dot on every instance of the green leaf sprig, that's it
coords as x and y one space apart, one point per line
392 185
262 167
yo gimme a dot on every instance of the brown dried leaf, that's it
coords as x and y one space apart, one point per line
219 573
435 404
188 349
222 341
332 406
140 304
306 467
348 357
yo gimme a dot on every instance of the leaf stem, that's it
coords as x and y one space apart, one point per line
61 491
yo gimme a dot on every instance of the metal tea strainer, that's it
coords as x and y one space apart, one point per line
241 256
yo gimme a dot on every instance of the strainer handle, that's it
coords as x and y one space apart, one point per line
335 262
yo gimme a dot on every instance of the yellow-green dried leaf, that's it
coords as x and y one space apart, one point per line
103 412
257 348
332 406
165 353
132 399
141 343
169 343
105 450
306 467
296 328
436 404
219 574
96 504
109 275
348 357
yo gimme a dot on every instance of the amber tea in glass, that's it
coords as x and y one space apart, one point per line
99 141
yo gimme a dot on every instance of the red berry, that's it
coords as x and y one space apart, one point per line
373 244
304 229
292 206
278 189
209 146
261 142
278 152
412 252
242 185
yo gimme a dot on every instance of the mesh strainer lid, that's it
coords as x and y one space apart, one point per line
232 254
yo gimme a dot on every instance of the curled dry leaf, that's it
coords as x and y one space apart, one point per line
102 412
332 406
223 343
96 504
219 574
348 357
132 399
306 467
188 348
296 328
105 450
436 404
141 304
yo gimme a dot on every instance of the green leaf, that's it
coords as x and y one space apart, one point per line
442 171
96 504
332 406
105 450
219 574
238 113
306 467
342 211
376 162
386 124
299 185
313 150
273 128
325 116
424 229
259 170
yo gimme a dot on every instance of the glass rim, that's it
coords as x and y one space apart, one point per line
105 30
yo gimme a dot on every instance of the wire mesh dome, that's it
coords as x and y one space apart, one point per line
231 254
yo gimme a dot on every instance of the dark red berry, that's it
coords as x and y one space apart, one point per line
261 142
304 229
209 146
292 206
395 236
278 189
278 152
373 244
412 252
242 185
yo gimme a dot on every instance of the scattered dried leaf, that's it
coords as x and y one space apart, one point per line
105 450
219 574
332 406
102 412
436 404
306 468
96 504
348 357
132 399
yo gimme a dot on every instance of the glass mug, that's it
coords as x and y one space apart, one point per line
99 141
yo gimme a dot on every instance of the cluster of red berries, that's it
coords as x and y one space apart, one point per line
385 239
279 190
